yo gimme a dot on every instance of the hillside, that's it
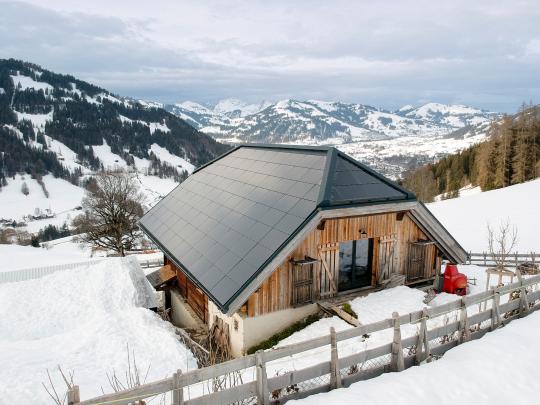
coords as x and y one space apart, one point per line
467 217
59 124
510 155
390 141
56 130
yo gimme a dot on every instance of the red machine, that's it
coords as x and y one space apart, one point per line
454 281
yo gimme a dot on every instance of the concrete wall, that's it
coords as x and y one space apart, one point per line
251 331
260 328
181 315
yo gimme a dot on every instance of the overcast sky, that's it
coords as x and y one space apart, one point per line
384 53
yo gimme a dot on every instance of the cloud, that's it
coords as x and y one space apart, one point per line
385 53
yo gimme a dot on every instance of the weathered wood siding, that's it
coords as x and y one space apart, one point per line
392 235
194 296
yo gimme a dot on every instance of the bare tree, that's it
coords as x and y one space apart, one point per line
501 242
112 206
51 389
131 379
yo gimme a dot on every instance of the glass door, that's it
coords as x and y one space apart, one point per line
355 264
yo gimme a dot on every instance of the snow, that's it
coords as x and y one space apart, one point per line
467 217
67 157
380 305
27 82
15 257
155 188
38 120
63 196
194 107
230 105
483 372
165 156
107 157
153 126
82 320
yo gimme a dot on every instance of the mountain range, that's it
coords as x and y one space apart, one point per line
390 141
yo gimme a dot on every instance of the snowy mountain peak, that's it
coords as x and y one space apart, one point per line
195 107
234 108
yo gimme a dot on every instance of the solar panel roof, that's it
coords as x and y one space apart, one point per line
230 217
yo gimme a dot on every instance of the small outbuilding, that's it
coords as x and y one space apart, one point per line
261 234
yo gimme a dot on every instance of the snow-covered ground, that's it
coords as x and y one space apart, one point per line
486 371
15 257
82 320
63 198
467 217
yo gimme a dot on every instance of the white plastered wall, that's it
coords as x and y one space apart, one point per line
253 330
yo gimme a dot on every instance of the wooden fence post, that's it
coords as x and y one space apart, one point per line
422 346
523 299
464 328
335 377
397 362
495 313
178 390
262 383
73 395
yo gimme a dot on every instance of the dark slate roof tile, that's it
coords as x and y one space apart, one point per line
273 239
258 255
227 261
225 289
271 217
227 219
285 203
241 272
257 231
289 223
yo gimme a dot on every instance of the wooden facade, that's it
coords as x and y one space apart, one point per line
397 246
193 295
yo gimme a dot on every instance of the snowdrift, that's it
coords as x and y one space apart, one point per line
81 319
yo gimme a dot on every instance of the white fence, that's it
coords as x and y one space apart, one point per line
437 329
38 272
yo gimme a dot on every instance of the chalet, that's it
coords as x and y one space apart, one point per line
254 239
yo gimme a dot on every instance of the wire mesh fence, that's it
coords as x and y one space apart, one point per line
362 352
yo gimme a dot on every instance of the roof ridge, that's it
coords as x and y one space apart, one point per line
326 183
376 174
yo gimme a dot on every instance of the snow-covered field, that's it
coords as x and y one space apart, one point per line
467 217
81 320
59 251
63 198
486 371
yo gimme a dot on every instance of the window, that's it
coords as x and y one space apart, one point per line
355 264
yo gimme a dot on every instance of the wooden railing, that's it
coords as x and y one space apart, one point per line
485 259
401 353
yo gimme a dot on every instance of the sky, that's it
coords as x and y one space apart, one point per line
382 53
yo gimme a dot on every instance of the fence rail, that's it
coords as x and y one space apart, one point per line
397 355
38 272
486 259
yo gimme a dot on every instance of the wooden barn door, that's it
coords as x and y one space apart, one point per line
386 253
329 269
418 252
302 280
